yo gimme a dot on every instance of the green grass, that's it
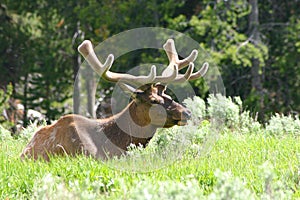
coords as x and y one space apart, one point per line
260 161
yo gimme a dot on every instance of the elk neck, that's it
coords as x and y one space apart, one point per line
129 126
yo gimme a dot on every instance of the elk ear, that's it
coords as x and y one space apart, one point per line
129 90
161 88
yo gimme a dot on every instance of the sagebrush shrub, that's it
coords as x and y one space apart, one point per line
229 187
281 124
4 134
198 108
223 110
27 133
273 189
53 187
247 124
166 190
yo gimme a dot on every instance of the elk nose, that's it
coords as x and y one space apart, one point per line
187 114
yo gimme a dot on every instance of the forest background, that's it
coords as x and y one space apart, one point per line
255 44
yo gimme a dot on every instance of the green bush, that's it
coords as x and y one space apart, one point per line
53 187
4 134
198 108
247 124
273 189
281 124
27 133
229 187
166 190
222 112
4 97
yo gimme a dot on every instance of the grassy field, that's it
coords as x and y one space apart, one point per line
253 165
237 158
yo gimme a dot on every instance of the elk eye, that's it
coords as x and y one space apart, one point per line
169 102
153 100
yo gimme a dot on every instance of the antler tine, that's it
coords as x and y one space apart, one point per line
191 58
184 77
87 51
172 54
201 72
189 75
168 75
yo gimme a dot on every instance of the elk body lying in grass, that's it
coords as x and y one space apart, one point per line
149 109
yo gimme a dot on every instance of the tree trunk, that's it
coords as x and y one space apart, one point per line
25 103
256 82
76 75
76 92
90 84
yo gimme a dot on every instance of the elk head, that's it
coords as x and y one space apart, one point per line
152 105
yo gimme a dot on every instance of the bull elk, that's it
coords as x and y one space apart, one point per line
149 109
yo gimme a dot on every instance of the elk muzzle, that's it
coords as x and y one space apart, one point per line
185 116
168 117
